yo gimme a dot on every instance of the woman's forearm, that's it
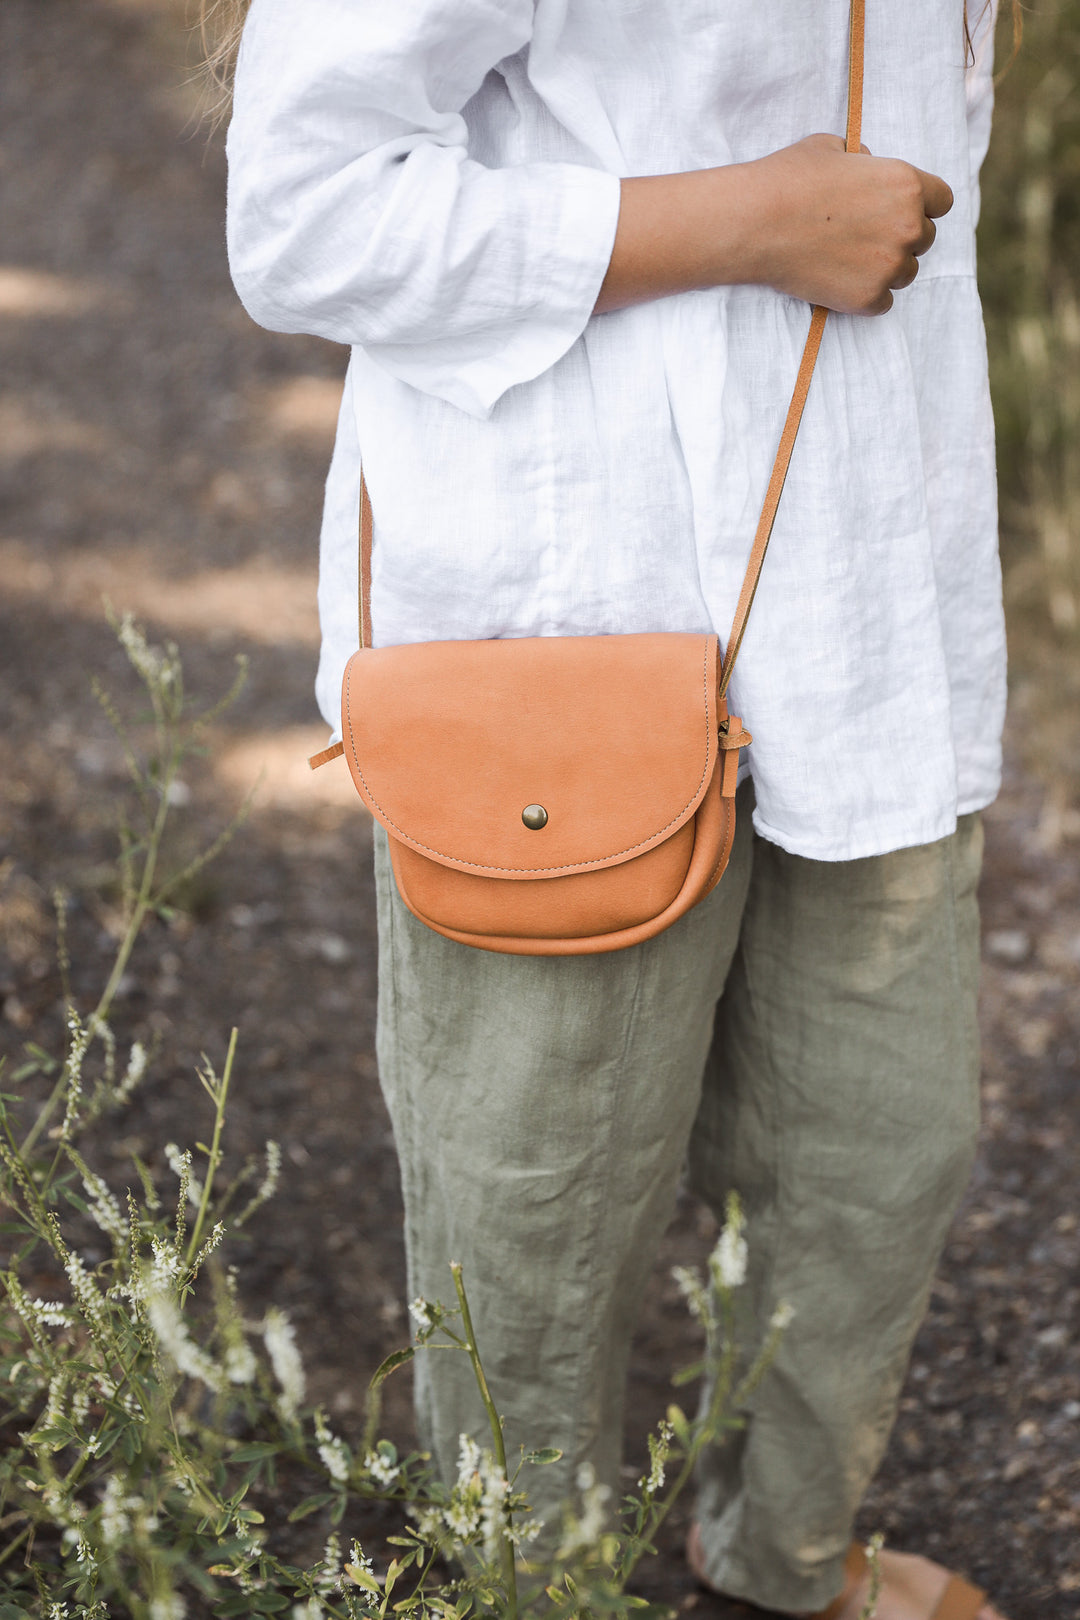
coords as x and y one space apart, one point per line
836 228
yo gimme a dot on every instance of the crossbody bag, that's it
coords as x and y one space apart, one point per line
560 795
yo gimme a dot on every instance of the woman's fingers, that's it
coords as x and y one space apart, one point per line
904 276
937 196
926 240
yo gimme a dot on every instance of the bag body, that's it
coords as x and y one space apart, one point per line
547 796
560 795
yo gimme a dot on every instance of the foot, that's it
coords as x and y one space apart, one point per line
911 1588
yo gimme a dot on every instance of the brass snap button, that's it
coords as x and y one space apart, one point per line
534 816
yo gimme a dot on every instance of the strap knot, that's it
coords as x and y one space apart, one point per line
732 734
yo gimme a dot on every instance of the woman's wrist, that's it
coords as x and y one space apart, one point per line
684 232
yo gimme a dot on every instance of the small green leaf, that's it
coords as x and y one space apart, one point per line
311 1504
678 1420
396 1359
546 1454
250 1516
253 1452
686 1375
362 1577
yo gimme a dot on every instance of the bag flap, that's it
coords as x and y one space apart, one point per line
615 737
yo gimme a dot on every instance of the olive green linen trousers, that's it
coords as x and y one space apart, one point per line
807 1036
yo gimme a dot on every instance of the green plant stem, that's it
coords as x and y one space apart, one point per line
215 1151
123 956
13 1546
495 1423
705 1433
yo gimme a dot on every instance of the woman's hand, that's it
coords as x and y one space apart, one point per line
836 228
841 229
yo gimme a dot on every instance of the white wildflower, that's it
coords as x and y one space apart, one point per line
212 1242
360 1560
79 1045
330 1571
46 1313
462 1516
468 1459
477 1502
582 1533
146 660
172 1335
429 1522
280 1339
521 1535
86 1292
496 1488
692 1290
170 1607
104 1208
240 1364
334 1452
421 1313
115 1522
180 1165
268 1186
63 1510
58 1611
382 1468
166 1264
54 1405
728 1260
659 1451
133 1074
782 1317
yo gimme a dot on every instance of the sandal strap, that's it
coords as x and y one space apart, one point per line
959 1601
855 1566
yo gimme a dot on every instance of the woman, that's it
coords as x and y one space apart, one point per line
571 243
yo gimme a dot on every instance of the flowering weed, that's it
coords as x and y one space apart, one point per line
150 1420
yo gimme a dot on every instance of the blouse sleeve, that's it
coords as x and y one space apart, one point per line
355 213
980 95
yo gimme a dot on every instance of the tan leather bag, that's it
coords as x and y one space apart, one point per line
559 795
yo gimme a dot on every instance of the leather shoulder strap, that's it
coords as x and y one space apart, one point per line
365 563
802 381
787 437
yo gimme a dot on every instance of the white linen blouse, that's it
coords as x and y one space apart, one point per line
436 183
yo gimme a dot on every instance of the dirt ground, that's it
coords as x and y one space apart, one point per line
158 448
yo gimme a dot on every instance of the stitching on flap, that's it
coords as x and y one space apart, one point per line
538 871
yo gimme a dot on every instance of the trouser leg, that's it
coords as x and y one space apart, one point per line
541 1108
840 1100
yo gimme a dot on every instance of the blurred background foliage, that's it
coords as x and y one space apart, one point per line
1029 263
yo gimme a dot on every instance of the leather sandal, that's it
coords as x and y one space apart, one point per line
959 1601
